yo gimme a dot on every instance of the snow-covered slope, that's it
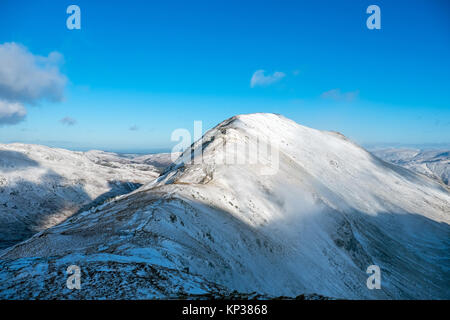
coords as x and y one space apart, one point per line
433 163
314 225
41 186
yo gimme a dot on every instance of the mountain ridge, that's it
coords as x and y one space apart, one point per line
329 211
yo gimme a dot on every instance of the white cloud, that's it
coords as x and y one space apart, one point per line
11 112
337 95
28 78
68 121
259 79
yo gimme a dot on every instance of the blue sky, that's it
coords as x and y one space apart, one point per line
137 70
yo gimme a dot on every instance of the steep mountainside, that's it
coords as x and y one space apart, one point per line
41 186
307 217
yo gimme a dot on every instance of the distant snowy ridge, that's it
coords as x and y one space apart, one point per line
433 163
331 210
42 186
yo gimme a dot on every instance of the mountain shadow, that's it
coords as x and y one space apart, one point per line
27 207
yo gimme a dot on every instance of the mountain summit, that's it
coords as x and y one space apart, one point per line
259 204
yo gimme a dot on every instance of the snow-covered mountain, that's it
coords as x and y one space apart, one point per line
433 163
314 224
41 186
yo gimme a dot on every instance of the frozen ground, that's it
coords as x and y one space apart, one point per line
313 226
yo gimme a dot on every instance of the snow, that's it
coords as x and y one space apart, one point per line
432 163
312 226
42 186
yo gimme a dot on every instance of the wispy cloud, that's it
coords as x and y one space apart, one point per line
134 128
260 79
337 95
68 121
27 78
11 112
